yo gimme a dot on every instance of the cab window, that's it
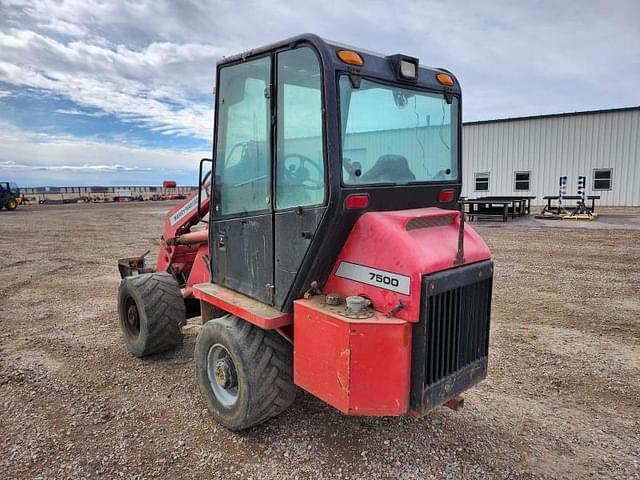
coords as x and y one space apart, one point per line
401 135
299 155
243 178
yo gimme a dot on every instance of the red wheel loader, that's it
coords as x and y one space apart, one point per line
326 251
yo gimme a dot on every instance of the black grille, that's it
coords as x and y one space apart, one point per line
451 341
426 222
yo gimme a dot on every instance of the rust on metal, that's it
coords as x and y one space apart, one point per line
455 403
133 265
253 311
191 238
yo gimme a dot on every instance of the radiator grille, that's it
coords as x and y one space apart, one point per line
457 329
451 341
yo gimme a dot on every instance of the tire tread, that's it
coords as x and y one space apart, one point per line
268 363
164 308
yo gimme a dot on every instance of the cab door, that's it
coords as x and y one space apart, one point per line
241 233
300 187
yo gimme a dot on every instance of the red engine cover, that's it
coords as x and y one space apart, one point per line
387 253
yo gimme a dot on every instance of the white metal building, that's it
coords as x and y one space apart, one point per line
526 156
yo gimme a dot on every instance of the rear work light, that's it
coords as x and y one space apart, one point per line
357 201
446 196
408 69
404 67
350 57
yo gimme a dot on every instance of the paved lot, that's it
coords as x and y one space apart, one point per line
618 220
562 399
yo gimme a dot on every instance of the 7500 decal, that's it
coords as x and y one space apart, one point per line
394 282
384 279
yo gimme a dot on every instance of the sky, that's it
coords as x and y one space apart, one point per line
108 92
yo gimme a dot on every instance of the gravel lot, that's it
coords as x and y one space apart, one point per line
562 399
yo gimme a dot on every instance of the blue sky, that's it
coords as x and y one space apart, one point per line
120 92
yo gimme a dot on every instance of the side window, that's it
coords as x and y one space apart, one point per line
522 181
300 156
243 162
481 182
602 179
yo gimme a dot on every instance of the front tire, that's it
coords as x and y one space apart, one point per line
11 204
244 372
151 311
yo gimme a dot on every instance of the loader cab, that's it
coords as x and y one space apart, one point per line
11 188
10 196
309 135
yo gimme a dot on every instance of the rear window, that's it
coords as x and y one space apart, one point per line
394 135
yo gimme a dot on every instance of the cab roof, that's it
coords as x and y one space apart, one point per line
376 65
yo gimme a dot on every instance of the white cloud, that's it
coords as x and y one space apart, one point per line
73 111
127 99
117 80
4 93
546 55
146 61
45 152
75 168
65 28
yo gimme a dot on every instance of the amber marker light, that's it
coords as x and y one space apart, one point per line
445 79
350 57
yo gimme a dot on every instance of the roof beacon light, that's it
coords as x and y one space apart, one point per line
350 57
445 79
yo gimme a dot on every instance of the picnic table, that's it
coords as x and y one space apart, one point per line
523 201
491 208
556 209
497 206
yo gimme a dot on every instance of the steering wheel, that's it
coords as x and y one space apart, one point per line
299 174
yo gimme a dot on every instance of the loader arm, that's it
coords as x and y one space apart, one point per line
179 244
183 252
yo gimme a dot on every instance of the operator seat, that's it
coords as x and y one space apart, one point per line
391 168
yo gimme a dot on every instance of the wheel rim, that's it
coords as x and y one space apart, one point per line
132 318
222 375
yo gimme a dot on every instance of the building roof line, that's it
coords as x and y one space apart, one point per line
551 115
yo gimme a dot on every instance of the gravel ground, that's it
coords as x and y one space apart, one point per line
562 399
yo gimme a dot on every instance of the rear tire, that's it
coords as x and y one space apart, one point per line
151 311
244 372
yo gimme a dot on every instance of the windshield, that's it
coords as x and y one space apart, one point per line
393 135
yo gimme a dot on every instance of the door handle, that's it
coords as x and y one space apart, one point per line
222 240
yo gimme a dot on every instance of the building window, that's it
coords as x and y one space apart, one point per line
602 178
482 182
522 181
